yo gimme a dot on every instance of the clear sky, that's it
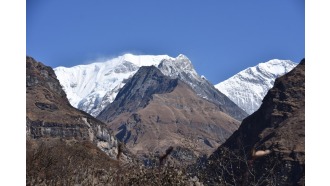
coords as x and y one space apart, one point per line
221 38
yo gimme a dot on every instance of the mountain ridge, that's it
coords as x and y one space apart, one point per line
101 84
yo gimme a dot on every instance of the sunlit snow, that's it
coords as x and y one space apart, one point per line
248 87
91 87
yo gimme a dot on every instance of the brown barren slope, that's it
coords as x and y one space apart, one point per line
174 117
64 146
276 130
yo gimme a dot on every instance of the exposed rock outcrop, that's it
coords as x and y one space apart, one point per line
50 115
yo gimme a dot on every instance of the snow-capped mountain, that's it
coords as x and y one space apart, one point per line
248 87
92 87
182 68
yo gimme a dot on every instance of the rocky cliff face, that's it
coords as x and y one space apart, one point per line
153 111
50 115
269 146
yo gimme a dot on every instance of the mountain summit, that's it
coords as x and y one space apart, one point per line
182 68
248 87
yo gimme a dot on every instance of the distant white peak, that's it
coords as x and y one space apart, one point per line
180 56
180 65
145 60
248 87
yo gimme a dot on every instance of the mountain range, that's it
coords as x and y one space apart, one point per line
92 87
146 107
130 99
155 113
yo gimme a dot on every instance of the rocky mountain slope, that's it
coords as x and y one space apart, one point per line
49 114
153 111
92 87
269 146
248 87
182 68
63 143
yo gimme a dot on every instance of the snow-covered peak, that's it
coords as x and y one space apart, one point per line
182 56
91 87
248 87
276 66
145 60
174 67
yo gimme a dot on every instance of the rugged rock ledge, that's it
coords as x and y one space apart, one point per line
50 115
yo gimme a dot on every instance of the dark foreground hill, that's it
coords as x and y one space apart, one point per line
269 146
63 145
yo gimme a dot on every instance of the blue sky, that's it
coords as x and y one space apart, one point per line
221 38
